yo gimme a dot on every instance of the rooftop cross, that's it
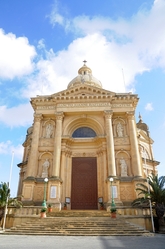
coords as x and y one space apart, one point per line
85 62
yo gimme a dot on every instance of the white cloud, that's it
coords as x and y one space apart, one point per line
16 56
16 116
135 45
57 18
4 147
7 148
149 107
105 58
139 40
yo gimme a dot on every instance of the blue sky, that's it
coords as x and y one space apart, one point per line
43 44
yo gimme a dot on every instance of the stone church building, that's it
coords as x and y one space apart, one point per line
81 137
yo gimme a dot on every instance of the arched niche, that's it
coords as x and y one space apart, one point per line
144 152
123 164
48 129
119 127
42 158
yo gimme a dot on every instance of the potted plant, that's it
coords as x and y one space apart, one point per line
43 212
101 205
49 207
113 212
65 206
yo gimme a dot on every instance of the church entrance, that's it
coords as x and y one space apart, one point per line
84 183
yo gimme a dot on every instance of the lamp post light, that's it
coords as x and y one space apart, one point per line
44 201
113 202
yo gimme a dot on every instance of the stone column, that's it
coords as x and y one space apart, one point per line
21 178
69 175
62 174
136 162
110 144
104 162
99 173
57 146
33 157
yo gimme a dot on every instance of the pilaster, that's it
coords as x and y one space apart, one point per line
110 144
136 162
33 158
57 145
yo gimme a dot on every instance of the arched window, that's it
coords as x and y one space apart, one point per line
84 132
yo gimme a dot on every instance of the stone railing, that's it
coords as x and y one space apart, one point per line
133 211
35 211
24 211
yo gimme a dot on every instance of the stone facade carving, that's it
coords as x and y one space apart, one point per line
126 192
119 141
120 130
123 167
76 154
49 131
45 168
82 105
45 107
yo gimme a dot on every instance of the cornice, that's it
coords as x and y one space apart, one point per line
84 93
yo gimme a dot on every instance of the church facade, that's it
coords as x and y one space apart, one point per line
80 139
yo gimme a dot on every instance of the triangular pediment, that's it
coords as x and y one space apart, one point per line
82 91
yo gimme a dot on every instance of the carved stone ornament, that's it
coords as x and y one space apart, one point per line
37 117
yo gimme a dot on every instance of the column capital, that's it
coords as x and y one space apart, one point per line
59 115
108 114
37 117
130 115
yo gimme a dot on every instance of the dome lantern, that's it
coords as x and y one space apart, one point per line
85 77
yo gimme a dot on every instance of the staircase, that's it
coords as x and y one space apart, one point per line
78 223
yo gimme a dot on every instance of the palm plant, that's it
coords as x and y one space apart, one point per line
154 192
5 199
4 195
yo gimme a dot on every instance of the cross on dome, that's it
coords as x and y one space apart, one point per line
85 62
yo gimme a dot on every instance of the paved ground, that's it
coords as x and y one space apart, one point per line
61 242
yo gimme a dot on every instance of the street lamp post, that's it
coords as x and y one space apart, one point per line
112 197
152 219
11 167
44 201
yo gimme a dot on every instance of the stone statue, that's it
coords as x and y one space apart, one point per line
123 166
119 130
45 168
49 131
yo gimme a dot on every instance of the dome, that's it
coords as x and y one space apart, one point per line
142 126
85 77
29 130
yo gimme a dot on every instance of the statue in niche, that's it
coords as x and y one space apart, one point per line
45 168
49 131
119 130
123 166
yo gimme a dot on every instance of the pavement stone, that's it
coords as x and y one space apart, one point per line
81 242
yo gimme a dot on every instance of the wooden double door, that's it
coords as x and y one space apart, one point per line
84 183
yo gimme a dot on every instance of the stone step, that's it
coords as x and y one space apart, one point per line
79 233
84 223
77 213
